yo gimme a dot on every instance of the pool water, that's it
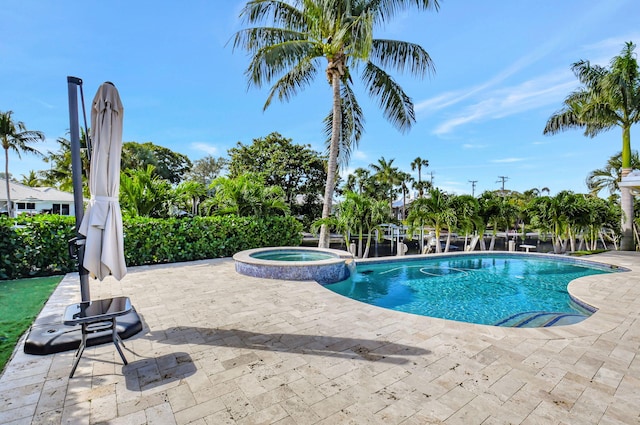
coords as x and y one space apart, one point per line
292 255
513 291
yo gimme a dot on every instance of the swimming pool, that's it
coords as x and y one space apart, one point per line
295 263
292 254
494 289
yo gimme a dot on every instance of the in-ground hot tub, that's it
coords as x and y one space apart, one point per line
295 263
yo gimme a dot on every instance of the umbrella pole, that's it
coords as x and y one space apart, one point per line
76 169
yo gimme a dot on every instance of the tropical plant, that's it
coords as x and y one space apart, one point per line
358 215
435 211
297 169
303 33
417 164
31 179
15 136
609 97
564 216
59 174
245 195
189 195
388 176
143 193
404 180
466 209
609 176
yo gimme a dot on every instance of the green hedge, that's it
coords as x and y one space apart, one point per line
38 246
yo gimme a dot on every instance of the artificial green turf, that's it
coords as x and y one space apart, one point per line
20 302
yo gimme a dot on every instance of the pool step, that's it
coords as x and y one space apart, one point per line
540 319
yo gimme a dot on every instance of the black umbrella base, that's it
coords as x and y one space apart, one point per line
57 337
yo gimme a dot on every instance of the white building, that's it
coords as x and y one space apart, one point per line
35 200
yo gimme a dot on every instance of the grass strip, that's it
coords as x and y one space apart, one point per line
20 302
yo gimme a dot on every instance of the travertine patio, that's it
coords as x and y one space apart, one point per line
222 348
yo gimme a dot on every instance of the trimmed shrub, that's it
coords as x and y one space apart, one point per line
39 245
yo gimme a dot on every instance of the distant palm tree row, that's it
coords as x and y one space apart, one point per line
572 221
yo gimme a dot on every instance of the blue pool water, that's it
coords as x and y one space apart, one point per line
292 255
514 291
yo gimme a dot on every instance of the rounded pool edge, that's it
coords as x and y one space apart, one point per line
324 271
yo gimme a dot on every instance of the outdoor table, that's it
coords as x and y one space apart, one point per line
97 315
528 247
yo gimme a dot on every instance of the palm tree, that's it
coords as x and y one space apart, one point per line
303 33
609 176
246 195
59 174
388 176
31 179
15 136
609 98
417 164
466 209
189 194
143 193
358 215
404 180
436 211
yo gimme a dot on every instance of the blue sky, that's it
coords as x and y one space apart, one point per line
502 68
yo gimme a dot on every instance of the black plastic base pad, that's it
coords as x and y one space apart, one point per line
57 337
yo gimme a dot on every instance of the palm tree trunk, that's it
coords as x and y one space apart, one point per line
626 203
332 164
626 199
6 180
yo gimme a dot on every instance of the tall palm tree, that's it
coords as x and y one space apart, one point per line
304 33
609 97
405 180
15 136
417 164
388 176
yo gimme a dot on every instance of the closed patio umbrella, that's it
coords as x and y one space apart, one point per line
102 221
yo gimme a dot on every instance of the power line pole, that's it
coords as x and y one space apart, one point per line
502 179
473 187
431 174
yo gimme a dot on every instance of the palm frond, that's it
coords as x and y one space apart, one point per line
385 10
299 77
397 106
255 39
280 13
402 55
271 61
352 126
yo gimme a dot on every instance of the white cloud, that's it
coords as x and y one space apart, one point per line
472 146
204 147
508 160
545 90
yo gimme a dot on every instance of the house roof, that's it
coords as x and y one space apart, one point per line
22 193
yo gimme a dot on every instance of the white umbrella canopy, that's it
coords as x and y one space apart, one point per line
102 221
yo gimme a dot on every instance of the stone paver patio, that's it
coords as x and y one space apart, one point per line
222 348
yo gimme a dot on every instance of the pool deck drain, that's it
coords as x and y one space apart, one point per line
223 348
